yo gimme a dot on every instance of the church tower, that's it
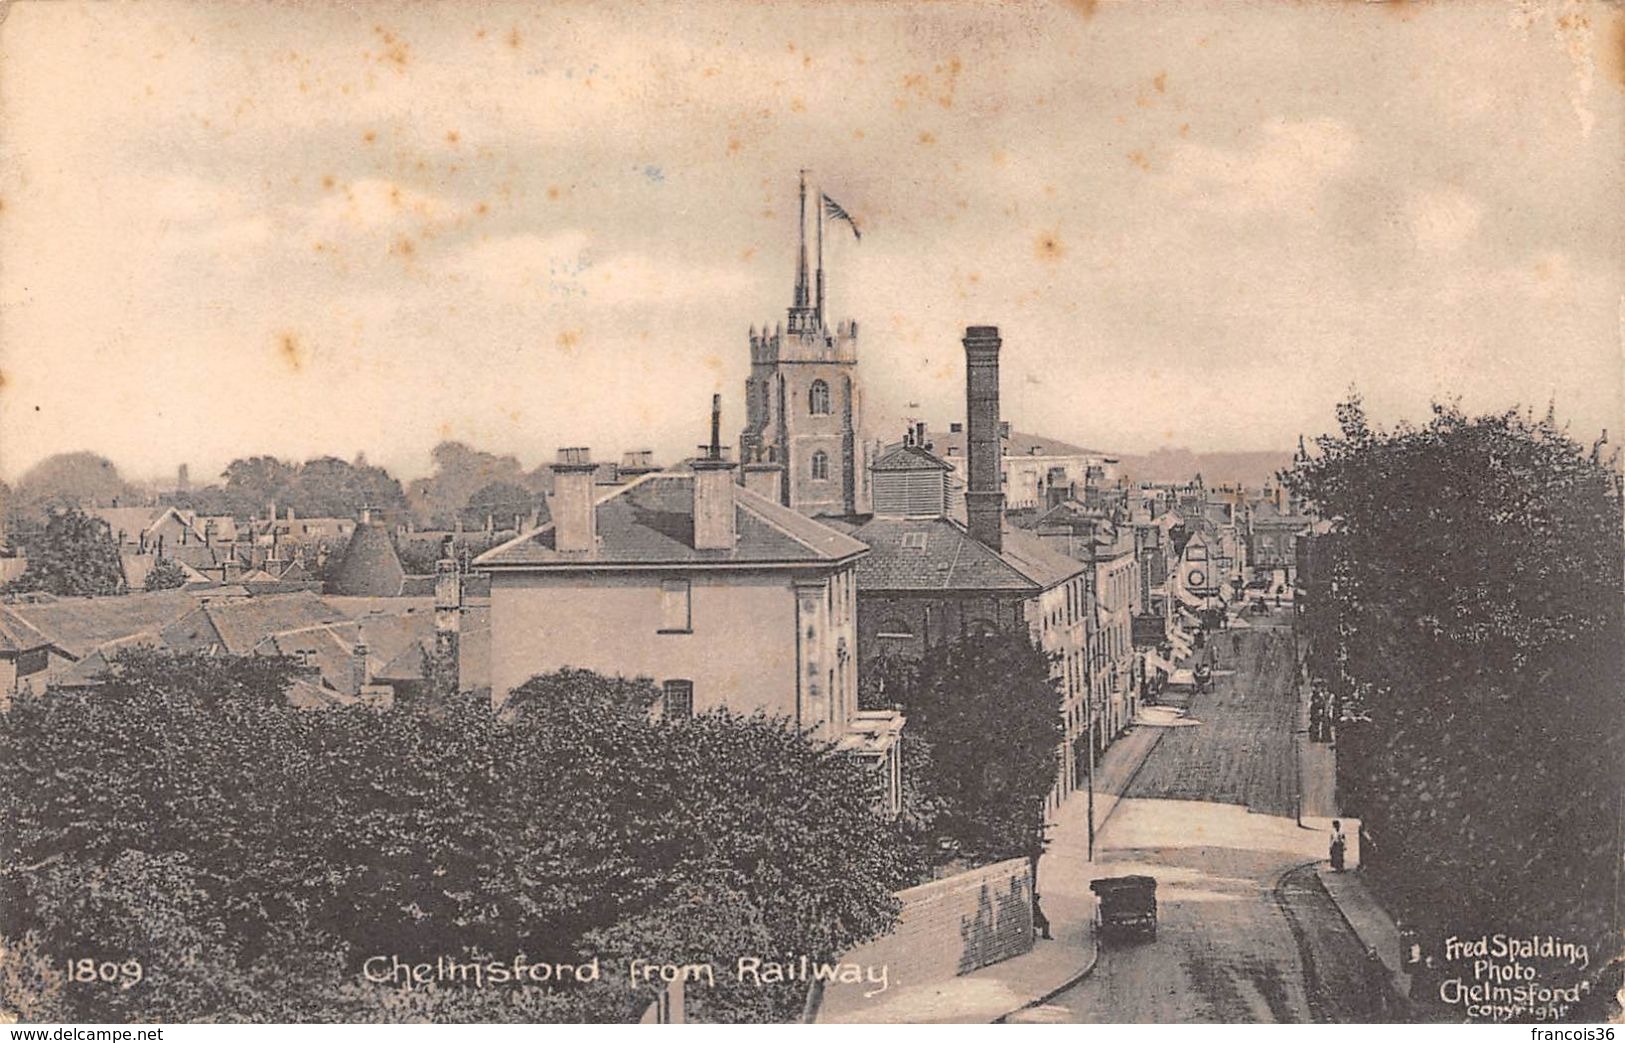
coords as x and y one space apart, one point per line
803 406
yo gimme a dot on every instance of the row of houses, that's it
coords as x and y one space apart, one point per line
347 649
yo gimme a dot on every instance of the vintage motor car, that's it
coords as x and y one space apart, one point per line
1127 907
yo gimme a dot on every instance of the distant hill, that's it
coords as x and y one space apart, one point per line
1178 465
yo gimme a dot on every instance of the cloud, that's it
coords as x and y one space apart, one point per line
1285 172
374 203
566 266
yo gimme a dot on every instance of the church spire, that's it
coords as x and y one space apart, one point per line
803 315
801 256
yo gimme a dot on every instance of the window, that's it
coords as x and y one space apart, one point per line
818 399
677 700
914 541
820 466
895 628
675 617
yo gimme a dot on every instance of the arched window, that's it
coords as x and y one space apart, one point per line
896 629
820 466
818 399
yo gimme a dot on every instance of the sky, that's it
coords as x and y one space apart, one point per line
229 229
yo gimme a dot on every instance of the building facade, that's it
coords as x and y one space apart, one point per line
723 597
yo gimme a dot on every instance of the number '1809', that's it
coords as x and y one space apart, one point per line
124 974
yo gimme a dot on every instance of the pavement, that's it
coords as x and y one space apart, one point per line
993 993
1246 932
1368 920
1226 802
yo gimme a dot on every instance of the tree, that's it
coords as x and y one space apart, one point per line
165 575
498 502
984 722
256 481
69 480
229 837
328 487
1475 623
460 472
75 556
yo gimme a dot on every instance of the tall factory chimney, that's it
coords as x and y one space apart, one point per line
984 492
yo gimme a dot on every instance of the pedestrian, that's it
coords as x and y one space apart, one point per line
1040 921
1340 844
1381 985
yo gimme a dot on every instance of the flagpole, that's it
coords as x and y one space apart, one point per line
819 206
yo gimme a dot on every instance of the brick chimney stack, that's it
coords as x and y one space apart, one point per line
714 490
448 616
575 516
764 475
984 492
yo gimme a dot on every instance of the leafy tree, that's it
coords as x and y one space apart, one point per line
254 482
460 472
499 501
230 837
328 487
70 480
165 575
984 722
74 556
1476 626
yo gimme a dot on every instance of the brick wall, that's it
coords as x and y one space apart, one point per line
948 927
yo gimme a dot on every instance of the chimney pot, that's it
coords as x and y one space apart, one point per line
714 526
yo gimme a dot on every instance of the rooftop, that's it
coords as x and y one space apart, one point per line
650 521
932 554
79 625
1016 443
905 457
1043 565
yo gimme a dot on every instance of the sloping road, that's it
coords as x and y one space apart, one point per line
1244 935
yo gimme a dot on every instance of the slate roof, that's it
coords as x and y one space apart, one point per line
237 625
304 694
331 645
18 635
87 671
1041 564
409 665
331 648
417 587
650 521
909 458
949 560
78 625
131 521
198 556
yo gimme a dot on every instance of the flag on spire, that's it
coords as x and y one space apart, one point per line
835 212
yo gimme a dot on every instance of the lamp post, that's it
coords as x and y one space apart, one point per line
1090 741
1089 638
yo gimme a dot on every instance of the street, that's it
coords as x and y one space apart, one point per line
1246 931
